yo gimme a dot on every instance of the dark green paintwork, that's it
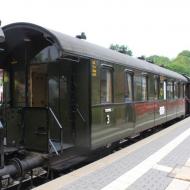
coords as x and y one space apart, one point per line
126 119
36 129
14 125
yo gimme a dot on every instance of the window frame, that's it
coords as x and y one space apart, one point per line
164 82
171 97
152 93
144 76
181 94
111 69
138 97
131 74
156 87
176 90
184 90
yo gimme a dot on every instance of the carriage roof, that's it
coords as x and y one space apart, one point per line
73 45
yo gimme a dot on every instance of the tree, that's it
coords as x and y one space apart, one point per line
181 63
121 48
159 60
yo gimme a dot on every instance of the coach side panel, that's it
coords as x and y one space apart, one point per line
125 102
112 113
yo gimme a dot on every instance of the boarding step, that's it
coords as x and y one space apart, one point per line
56 146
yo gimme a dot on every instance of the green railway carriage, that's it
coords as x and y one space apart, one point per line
62 93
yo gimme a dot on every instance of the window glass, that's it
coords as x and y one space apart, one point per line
184 90
162 89
181 90
144 88
176 90
140 85
170 92
47 54
151 87
19 88
178 86
106 85
128 87
165 90
137 87
156 88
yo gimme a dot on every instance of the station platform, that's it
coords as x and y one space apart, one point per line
158 162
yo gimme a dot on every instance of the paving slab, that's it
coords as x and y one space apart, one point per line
147 164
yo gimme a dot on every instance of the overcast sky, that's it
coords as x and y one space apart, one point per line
148 27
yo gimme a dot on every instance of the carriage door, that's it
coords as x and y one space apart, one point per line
59 82
35 114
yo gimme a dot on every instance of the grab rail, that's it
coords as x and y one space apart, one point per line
79 113
81 116
49 110
51 143
54 116
61 128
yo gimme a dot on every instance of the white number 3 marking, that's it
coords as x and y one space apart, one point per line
107 119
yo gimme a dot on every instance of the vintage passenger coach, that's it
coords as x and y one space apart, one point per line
64 97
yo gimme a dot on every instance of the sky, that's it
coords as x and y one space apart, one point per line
147 27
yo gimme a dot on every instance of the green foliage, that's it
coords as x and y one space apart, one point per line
185 53
121 48
159 60
180 64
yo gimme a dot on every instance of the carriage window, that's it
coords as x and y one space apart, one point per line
128 87
19 88
49 53
176 93
140 83
162 89
151 87
182 90
138 89
170 92
106 84
156 87
178 89
144 88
